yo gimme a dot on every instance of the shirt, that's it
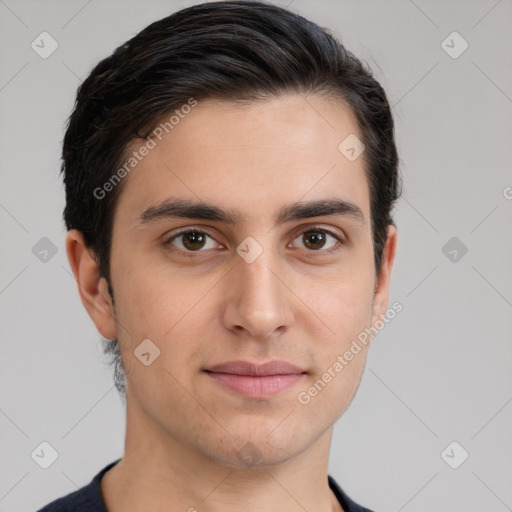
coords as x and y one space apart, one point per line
90 499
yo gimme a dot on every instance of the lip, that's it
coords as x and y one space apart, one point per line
256 380
275 367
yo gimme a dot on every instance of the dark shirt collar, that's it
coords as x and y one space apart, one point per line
90 498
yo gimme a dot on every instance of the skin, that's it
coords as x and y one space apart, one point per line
305 306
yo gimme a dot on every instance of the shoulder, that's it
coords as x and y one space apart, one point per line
347 504
85 499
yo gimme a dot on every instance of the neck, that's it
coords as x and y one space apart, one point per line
157 472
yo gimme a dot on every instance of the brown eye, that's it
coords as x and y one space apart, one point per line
192 241
314 239
317 239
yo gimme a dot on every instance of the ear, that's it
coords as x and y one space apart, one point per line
381 295
93 288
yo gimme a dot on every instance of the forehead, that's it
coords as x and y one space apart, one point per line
251 158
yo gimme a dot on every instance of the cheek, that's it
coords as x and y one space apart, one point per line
345 304
354 311
171 318
171 310
154 299
330 391
347 311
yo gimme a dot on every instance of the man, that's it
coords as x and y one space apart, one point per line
230 174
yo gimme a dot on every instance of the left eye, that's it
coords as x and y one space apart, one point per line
316 239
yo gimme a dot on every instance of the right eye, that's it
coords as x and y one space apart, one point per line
191 240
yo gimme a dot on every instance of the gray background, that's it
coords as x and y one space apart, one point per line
439 372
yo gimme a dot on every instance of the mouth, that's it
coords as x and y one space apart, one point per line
256 380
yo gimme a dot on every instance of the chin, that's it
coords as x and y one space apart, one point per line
257 449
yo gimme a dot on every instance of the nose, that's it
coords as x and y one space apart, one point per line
257 299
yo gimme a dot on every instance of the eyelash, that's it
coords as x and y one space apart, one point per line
191 254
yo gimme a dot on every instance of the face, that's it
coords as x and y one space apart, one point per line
258 278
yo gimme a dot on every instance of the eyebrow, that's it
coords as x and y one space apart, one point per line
184 208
